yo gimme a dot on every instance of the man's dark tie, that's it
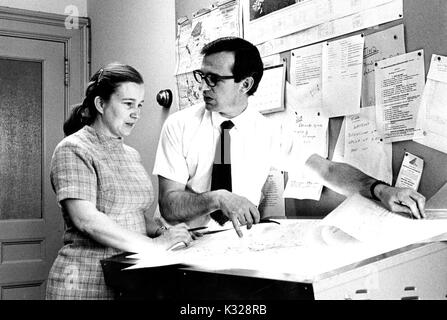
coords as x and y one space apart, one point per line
221 176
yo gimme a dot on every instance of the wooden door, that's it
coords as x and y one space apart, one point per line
32 100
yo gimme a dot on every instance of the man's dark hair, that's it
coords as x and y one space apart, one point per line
247 60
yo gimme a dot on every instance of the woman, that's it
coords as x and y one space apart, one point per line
102 187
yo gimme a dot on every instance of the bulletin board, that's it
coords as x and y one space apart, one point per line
425 28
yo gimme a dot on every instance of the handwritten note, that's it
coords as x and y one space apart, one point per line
364 148
309 130
400 82
342 76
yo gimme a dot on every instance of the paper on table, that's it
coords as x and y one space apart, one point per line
368 222
358 229
432 118
400 82
225 249
268 249
436 206
342 76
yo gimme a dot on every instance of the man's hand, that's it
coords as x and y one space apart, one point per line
239 210
402 200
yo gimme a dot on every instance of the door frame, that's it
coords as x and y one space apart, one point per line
36 25
31 25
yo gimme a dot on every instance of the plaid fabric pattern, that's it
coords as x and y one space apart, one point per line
100 169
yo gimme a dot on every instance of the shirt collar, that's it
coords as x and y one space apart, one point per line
240 121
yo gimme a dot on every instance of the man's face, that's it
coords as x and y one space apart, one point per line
226 97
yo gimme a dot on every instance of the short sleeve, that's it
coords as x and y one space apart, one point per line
169 161
72 174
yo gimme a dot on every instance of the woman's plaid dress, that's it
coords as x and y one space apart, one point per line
90 166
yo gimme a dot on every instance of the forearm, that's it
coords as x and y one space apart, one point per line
183 206
104 230
340 177
108 233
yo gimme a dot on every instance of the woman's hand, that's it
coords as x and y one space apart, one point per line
173 235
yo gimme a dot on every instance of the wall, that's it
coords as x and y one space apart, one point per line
50 6
425 27
143 35
188 7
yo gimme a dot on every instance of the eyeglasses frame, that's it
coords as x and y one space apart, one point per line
199 76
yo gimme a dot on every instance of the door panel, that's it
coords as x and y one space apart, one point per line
32 99
21 136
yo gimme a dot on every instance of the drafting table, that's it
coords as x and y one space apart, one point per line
417 271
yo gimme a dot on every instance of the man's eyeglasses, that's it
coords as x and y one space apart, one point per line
211 79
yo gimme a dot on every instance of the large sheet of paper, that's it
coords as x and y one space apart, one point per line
378 46
432 118
342 76
306 77
303 249
206 26
270 19
291 249
188 90
364 148
436 206
334 28
368 222
400 83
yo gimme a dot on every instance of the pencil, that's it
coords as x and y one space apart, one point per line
197 229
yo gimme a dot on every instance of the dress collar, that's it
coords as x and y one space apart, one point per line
107 141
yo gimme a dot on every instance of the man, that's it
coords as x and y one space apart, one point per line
231 71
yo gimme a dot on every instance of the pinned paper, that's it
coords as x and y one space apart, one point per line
410 172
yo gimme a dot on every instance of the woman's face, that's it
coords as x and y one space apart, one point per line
122 111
